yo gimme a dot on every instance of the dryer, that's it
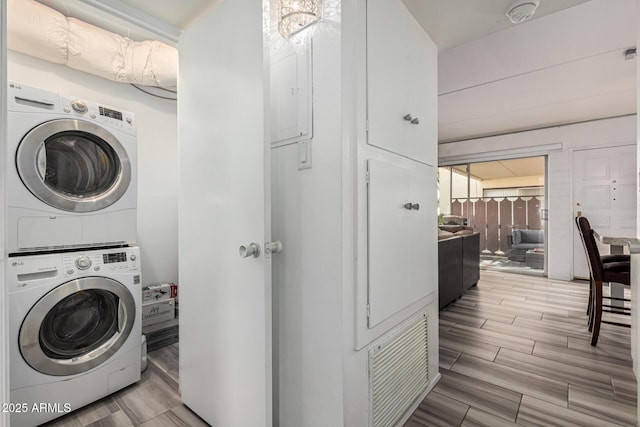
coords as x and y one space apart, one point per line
74 328
72 180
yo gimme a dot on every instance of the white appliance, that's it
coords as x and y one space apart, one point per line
73 177
75 329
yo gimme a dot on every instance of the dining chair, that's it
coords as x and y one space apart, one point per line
604 258
613 268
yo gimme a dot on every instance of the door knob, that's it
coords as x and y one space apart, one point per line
252 249
272 248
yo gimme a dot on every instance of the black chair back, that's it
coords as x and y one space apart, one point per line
591 248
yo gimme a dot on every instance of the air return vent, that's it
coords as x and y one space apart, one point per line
398 372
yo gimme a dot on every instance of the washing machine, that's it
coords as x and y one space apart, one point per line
72 175
74 328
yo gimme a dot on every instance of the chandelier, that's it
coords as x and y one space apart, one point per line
296 15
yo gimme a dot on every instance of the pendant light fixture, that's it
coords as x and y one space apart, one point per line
296 15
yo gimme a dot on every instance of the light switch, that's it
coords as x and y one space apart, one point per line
304 155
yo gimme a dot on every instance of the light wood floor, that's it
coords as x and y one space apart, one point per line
152 402
515 351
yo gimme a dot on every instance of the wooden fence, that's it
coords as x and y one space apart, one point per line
496 217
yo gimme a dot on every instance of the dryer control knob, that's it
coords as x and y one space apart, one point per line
133 257
83 262
79 107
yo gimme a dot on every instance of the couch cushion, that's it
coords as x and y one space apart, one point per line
444 234
452 228
517 238
453 220
531 236
527 246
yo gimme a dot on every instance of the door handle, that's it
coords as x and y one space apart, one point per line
272 248
251 250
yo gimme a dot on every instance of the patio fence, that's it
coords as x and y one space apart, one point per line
496 217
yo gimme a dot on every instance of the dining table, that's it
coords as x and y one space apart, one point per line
616 245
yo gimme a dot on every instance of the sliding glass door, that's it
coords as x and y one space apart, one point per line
503 201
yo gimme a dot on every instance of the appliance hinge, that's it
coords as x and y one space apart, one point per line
368 311
367 176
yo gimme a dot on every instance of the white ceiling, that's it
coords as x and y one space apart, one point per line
177 14
451 23
563 66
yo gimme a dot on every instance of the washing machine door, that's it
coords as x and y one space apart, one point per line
73 165
77 326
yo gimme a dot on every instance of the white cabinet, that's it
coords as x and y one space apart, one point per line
401 83
402 236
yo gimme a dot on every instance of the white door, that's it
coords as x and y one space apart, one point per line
225 300
604 191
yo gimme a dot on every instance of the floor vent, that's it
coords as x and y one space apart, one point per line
398 372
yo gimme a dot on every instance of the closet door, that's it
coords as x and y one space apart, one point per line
402 237
224 218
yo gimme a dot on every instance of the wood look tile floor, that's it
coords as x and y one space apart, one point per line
152 402
515 350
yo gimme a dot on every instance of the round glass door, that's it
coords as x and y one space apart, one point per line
77 326
73 165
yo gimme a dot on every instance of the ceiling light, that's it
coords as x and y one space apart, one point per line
296 15
522 10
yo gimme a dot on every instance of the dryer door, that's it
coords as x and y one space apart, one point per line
77 326
73 165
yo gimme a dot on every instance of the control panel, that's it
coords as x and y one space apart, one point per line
92 111
118 260
32 271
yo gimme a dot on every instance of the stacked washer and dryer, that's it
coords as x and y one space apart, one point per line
72 272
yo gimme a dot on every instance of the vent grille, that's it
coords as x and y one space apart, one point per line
398 372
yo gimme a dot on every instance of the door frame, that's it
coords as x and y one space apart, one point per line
503 155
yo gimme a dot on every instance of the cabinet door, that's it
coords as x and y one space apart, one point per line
423 229
402 251
401 82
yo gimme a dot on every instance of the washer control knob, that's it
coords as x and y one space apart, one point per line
83 262
133 257
79 107
129 120
67 109
70 271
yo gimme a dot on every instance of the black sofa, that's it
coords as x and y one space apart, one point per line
458 266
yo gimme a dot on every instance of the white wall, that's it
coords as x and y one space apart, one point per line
4 312
307 275
559 143
157 154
